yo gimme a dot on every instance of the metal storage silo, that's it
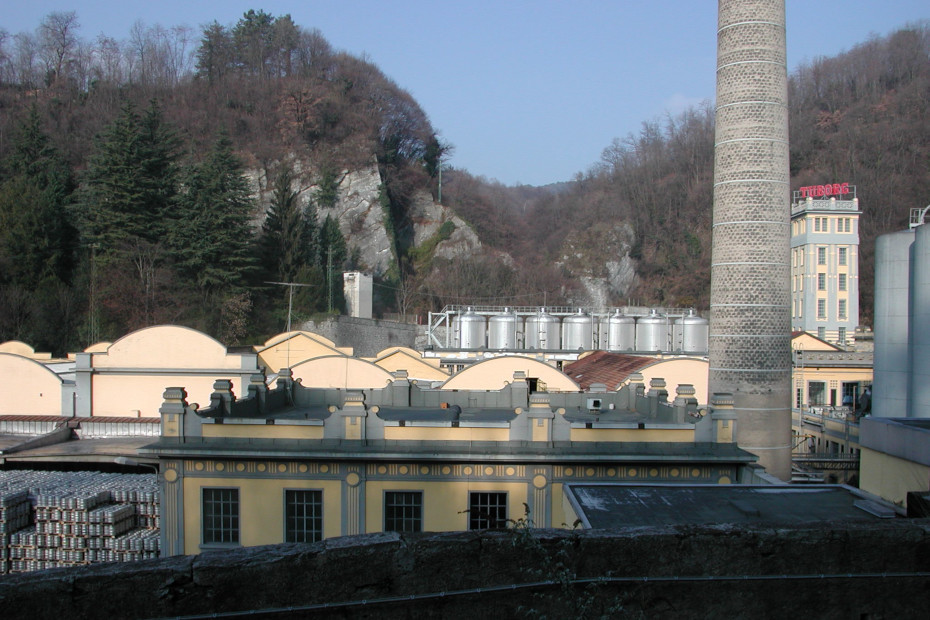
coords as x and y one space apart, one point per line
502 331
578 332
618 333
652 332
471 330
690 334
891 358
541 331
920 335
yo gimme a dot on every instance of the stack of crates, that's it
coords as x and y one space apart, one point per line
15 514
76 518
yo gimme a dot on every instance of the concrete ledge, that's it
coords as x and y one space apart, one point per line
904 438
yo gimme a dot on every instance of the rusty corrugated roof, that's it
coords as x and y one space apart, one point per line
611 369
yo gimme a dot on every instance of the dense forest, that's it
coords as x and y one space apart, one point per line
156 180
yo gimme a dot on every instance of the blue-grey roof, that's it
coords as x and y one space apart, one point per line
619 505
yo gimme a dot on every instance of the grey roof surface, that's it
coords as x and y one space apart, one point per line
92 450
616 505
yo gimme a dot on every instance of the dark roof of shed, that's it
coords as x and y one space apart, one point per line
616 505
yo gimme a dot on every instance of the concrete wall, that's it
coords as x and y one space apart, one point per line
869 570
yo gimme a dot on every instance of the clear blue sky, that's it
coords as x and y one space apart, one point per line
527 92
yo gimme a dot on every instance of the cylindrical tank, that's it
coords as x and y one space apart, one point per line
690 334
502 331
652 332
618 332
578 332
471 330
920 334
890 378
541 331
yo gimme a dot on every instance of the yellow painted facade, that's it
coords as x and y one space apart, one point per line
109 392
264 431
680 371
17 347
633 434
445 433
28 387
417 368
495 373
354 495
262 516
348 373
291 348
890 477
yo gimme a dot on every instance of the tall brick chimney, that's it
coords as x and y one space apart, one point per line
750 325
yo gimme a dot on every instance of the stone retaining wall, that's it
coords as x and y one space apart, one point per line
864 570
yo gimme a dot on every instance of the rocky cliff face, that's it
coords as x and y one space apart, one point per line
428 216
363 220
601 259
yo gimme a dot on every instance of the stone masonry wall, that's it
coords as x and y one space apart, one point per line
863 570
367 337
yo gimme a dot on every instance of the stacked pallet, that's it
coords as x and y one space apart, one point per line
63 519
15 514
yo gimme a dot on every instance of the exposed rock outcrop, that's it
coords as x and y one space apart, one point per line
428 216
601 259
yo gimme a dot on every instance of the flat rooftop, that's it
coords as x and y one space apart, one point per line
620 505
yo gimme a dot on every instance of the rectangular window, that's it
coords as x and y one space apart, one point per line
841 256
842 335
822 333
816 224
821 256
220 516
303 516
821 281
487 510
816 393
821 310
403 511
841 282
841 310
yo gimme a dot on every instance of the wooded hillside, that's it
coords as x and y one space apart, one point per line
156 180
862 117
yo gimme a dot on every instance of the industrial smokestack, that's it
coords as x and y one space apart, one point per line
750 324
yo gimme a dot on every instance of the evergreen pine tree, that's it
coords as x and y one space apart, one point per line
36 235
131 182
213 238
287 233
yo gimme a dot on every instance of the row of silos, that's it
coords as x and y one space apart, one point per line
580 331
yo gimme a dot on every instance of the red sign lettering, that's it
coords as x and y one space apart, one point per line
819 191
